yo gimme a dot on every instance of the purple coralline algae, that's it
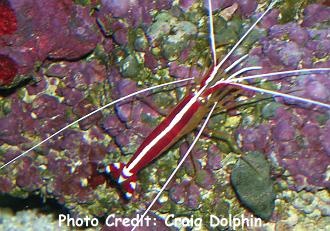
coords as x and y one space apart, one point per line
84 56
295 135
245 7
134 12
48 30
68 87
315 13
186 193
8 21
8 25
8 70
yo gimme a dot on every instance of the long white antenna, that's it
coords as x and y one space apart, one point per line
92 113
275 93
234 64
211 26
216 69
179 165
245 69
287 73
246 34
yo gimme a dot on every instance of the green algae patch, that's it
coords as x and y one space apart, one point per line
269 110
253 186
171 35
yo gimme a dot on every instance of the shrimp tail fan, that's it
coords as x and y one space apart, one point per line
127 185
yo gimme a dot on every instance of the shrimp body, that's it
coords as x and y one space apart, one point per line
185 117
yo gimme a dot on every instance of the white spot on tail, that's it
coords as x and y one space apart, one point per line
116 165
107 169
121 179
132 185
128 195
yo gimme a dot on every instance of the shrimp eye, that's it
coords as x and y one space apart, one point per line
202 100
193 90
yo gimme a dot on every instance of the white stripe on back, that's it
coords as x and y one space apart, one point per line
174 122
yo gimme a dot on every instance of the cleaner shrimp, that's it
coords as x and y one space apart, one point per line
202 186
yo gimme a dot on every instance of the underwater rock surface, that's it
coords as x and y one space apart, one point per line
105 50
251 180
41 30
295 136
28 219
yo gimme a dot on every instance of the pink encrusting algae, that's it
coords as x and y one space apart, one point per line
28 37
8 70
8 25
90 62
297 135
8 22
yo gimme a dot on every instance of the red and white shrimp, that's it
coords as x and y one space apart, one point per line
188 114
